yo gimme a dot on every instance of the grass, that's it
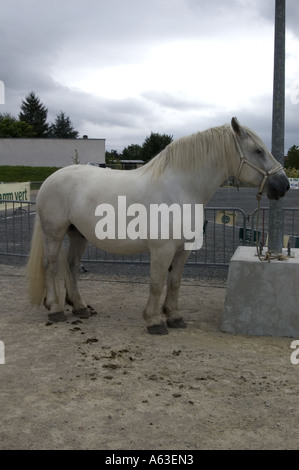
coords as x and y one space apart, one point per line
18 174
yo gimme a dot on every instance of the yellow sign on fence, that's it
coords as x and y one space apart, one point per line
13 192
226 218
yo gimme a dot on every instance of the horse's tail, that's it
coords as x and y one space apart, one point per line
35 269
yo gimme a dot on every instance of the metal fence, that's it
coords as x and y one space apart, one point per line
16 224
290 226
224 230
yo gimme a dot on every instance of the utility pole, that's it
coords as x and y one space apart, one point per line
278 124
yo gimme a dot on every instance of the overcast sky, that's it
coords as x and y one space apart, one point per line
121 69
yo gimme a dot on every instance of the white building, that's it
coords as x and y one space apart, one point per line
51 152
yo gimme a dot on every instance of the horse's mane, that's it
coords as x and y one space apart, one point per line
189 153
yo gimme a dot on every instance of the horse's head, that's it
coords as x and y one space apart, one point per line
257 165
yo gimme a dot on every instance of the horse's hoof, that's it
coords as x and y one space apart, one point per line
57 316
92 310
85 312
157 329
176 323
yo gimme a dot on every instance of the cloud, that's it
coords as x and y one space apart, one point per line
123 69
173 101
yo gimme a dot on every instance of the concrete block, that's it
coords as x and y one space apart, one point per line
262 298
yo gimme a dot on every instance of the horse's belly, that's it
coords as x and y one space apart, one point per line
121 247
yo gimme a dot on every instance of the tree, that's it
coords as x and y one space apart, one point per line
292 159
154 144
34 113
62 128
132 152
11 127
112 155
6 115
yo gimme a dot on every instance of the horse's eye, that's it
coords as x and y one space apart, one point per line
259 152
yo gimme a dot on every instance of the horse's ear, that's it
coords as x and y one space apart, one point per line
237 127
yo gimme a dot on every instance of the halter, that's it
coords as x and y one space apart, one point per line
277 167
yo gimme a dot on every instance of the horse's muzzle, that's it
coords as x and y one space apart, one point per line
277 186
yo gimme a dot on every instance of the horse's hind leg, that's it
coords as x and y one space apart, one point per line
76 250
51 257
170 307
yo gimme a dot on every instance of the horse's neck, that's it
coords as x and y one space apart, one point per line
208 182
213 171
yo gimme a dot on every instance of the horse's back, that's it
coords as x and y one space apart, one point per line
75 181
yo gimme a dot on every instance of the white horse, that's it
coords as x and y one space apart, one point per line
188 171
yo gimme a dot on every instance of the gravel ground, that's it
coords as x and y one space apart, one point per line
104 383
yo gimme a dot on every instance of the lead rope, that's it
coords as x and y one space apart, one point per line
269 255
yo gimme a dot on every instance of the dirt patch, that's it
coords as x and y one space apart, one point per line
105 383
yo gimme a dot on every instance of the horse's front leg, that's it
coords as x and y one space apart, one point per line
170 307
160 261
